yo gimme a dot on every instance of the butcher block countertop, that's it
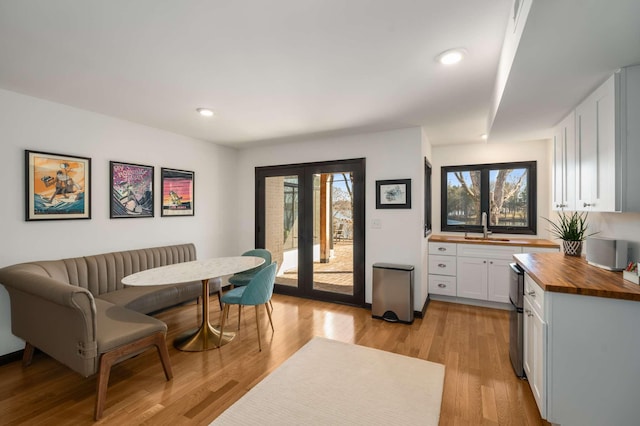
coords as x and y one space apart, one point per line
493 241
558 273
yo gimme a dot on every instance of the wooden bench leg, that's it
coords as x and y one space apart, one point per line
107 359
27 355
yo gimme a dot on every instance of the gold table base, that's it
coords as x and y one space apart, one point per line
206 336
202 339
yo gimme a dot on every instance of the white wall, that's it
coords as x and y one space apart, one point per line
34 124
453 155
394 154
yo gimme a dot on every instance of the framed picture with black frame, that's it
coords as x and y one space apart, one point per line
131 190
177 192
58 186
393 194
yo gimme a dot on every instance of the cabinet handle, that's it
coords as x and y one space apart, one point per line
442 285
491 262
531 293
484 261
442 249
441 265
588 205
529 313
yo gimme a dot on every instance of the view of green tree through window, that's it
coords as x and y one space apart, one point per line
505 192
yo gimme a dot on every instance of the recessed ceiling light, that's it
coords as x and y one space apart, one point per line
205 112
451 56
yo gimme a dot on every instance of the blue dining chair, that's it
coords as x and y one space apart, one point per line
257 292
243 278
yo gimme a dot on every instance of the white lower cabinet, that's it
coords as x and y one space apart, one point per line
483 271
484 279
473 271
472 277
581 357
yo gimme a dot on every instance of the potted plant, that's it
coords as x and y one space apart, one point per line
571 228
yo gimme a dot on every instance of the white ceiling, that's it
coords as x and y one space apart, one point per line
288 69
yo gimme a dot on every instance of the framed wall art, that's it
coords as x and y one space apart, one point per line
393 194
131 189
177 192
57 186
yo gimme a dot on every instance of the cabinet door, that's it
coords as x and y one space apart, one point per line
535 338
498 280
472 278
558 170
586 153
527 339
568 129
596 150
606 188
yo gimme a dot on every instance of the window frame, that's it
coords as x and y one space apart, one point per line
485 169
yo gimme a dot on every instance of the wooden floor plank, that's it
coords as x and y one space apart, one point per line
472 342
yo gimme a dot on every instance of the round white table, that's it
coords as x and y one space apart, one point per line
206 336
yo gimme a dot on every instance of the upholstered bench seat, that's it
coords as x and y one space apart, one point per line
149 299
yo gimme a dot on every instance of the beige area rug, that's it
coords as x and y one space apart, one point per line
333 383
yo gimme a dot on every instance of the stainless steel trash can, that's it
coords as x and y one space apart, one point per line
392 292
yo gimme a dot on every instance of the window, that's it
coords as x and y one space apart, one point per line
427 198
506 192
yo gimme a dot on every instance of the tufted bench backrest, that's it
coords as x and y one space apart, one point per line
102 273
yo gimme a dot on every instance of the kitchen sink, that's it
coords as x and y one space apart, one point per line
486 239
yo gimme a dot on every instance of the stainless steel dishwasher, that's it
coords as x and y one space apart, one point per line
516 319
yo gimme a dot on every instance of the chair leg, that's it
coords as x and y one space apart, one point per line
27 355
271 305
258 328
239 315
223 317
107 360
266 307
220 298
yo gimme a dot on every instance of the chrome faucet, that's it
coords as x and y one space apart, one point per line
485 229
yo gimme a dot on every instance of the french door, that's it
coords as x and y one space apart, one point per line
311 218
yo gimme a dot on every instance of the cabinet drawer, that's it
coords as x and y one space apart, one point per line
446 249
488 251
441 284
442 265
534 294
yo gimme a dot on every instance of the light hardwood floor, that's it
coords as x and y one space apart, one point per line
480 387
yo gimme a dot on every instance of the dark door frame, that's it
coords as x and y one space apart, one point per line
305 172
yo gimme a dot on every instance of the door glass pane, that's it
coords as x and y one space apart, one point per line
508 199
463 198
333 232
281 226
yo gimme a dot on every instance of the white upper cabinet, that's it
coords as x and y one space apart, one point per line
564 164
607 141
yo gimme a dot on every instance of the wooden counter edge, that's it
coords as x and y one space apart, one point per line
514 241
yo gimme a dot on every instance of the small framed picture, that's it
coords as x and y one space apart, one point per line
57 186
393 194
177 192
131 189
